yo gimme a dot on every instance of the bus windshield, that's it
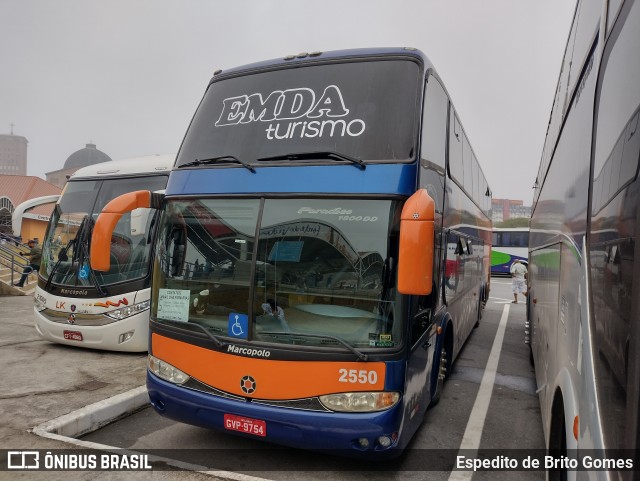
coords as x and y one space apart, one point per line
65 248
366 110
316 272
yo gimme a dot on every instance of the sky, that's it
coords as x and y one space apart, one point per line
127 75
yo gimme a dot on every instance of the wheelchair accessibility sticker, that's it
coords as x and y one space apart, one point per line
83 273
238 325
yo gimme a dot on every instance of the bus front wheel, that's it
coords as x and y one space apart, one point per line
442 374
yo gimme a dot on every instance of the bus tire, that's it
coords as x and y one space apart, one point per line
442 373
557 438
531 361
480 306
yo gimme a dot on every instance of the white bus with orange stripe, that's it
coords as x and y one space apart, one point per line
77 306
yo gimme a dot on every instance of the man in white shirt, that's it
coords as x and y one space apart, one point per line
519 284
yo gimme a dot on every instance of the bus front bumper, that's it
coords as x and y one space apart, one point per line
127 335
331 432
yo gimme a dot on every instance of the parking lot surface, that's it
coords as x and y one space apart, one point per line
42 381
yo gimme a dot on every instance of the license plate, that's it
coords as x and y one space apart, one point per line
241 424
73 335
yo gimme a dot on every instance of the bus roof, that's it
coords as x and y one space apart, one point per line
314 57
149 164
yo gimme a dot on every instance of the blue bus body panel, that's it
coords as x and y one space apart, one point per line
313 430
384 179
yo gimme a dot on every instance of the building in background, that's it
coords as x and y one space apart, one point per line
15 189
505 209
13 154
81 158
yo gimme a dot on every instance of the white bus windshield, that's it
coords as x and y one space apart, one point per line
65 248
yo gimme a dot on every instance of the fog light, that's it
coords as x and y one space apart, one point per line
125 337
363 442
384 441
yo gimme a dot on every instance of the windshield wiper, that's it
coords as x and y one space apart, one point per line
214 338
361 355
82 262
219 160
62 256
325 154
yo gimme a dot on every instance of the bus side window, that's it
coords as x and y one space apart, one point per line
434 127
455 149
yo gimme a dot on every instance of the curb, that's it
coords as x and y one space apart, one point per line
69 427
94 416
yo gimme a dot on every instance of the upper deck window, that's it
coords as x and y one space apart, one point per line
367 110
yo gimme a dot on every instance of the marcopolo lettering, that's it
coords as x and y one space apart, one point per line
293 104
247 351
74 292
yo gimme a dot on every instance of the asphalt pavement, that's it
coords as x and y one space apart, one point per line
52 393
42 381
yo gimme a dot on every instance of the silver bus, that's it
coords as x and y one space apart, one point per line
583 309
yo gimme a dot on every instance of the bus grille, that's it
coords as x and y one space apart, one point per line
306 404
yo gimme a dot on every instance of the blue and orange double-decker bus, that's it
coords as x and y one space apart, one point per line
299 291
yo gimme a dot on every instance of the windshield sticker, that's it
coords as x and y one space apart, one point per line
238 325
317 117
83 273
380 340
173 304
343 214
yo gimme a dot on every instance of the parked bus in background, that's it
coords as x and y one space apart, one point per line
299 291
507 245
584 314
104 310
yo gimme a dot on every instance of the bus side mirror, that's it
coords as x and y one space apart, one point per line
415 256
106 224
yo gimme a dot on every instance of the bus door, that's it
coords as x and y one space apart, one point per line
415 282
422 345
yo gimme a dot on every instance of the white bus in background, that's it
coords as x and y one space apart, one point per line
77 306
507 245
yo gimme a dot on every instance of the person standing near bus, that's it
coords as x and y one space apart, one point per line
35 254
518 283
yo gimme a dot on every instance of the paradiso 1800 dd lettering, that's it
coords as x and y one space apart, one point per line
292 104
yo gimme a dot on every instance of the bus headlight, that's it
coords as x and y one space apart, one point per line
360 402
128 311
166 371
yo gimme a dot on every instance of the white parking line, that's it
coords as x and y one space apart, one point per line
473 432
500 300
